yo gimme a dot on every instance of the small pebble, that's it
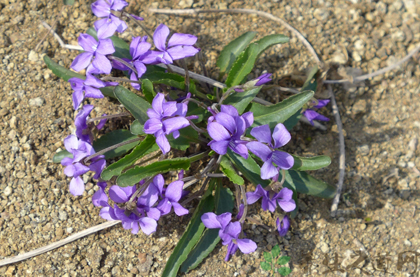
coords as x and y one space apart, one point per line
7 191
38 102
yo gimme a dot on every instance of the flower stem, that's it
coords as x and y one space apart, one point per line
123 62
201 104
107 78
215 175
138 23
108 117
198 156
111 148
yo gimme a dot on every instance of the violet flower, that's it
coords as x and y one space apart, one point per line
266 153
171 198
163 120
226 129
179 45
94 49
82 129
283 225
261 80
312 115
90 87
229 233
270 199
107 26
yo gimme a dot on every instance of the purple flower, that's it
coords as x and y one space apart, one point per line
95 49
163 120
263 79
82 130
135 219
226 129
266 153
270 199
99 198
107 26
179 45
312 115
229 233
89 87
283 225
171 198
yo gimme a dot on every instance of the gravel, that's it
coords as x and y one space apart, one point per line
382 116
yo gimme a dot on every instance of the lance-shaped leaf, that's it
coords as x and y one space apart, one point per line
194 109
148 91
312 163
61 155
294 213
138 173
242 66
136 128
208 241
280 112
227 168
249 168
240 100
135 104
311 83
186 137
293 120
270 40
302 182
191 235
147 146
113 138
66 74
68 2
231 51
122 49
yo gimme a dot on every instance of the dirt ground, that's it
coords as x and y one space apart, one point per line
378 220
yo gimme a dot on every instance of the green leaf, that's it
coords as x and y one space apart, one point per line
231 51
311 83
112 138
241 100
293 120
66 74
294 213
242 66
135 104
302 182
267 257
280 112
284 271
248 167
68 2
169 79
283 260
275 251
208 241
270 40
122 48
147 146
187 136
148 91
138 173
227 168
61 155
194 109
265 266
190 237
312 163
136 128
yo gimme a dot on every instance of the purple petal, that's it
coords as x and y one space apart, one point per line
282 159
268 204
70 143
230 250
105 47
101 123
287 206
159 37
240 127
182 39
252 197
239 148
262 151
76 83
154 213
233 229
107 213
281 136
163 142
220 147
265 78
140 48
80 120
140 67
77 187
100 8
268 170
75 170
102 63
174 124
210 221
283 226
226 121
159 182
174 191
180 52
149 196
78 97
137 17
121 26
169 108
246 245
178 209
322 103
217 131
66 161
105 28
118 5
152 125
224 219
157 103
81 61
94 82
231 110
176 134
285 194
93 92
165 206
240 212
148 225
88 43
99 198
118 195
262 134
249 119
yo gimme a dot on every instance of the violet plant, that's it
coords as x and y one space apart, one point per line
238 138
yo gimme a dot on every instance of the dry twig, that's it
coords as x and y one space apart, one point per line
60 243
342 162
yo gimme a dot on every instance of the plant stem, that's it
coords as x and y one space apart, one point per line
123 62
111 148
108 117
106 78
198 156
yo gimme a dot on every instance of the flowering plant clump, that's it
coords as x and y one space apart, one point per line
238 137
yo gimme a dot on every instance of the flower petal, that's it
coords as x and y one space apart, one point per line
224 219
281 136
322 103
220 147
174 191
160 35
210 221
107 213
100 8
140 67
102 63
182 39
178 209
217 131
283 160
283 226
88 43
163 142
148 225
152 125
174 124
99 198
239 148
77 97
105 47
252 197
231 110
180 52
268 170
262 151
226 121
81 61
249 118
77 187
118 195
93 92
246 245
262 134
233 229
157 103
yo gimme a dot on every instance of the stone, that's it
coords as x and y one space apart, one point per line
186 3
38 102
324 247
33 56
14 122
321 14
62 215
7 191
